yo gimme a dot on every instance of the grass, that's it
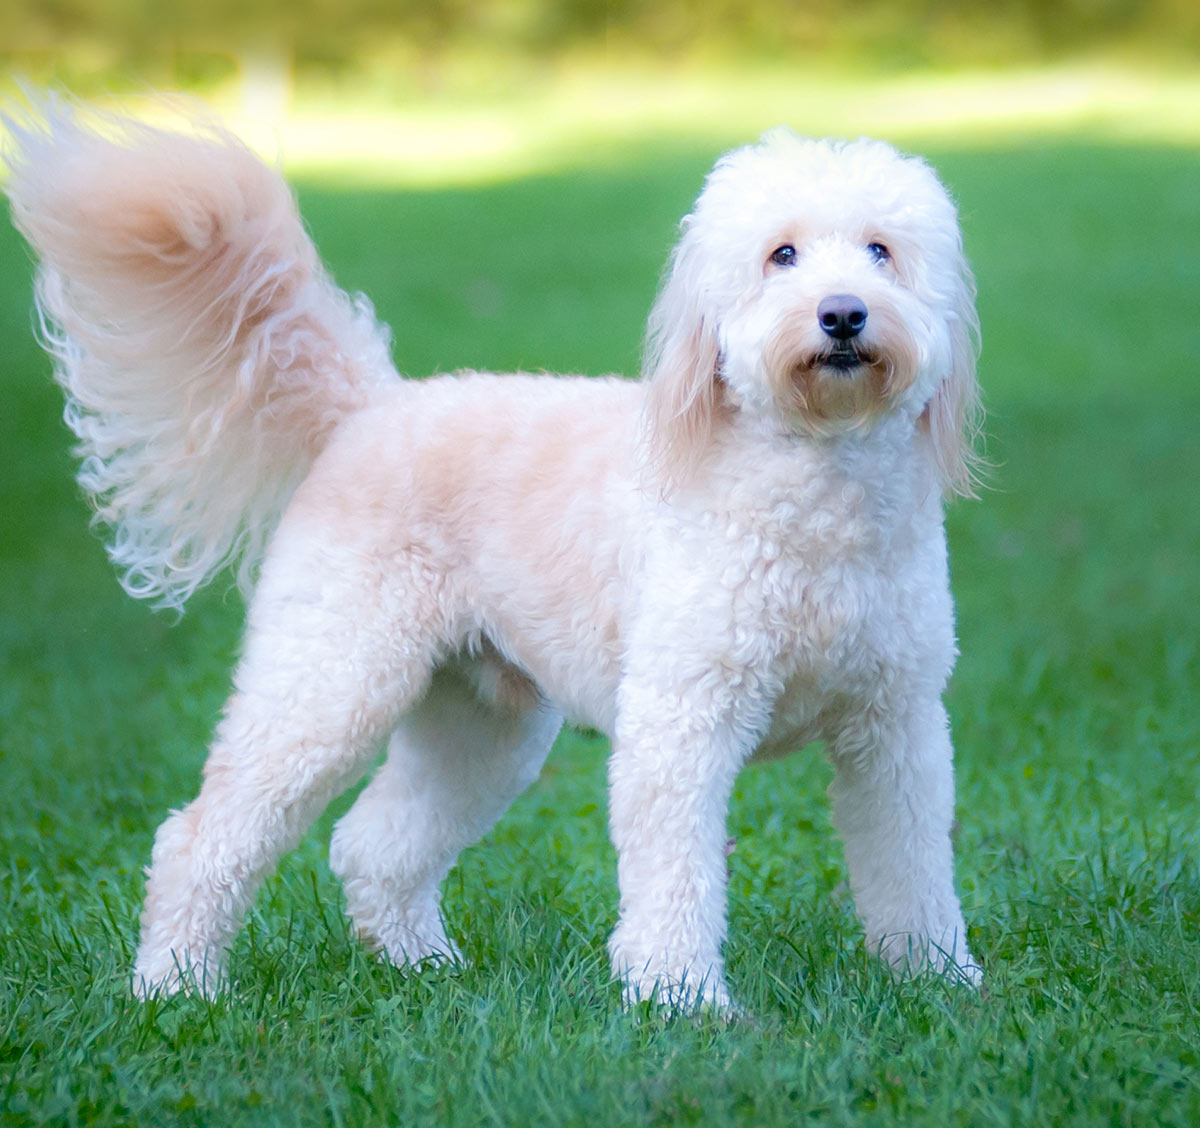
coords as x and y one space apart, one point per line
1074 707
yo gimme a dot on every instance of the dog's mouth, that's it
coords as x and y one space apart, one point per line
843 359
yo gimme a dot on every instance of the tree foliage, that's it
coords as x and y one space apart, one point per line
333 32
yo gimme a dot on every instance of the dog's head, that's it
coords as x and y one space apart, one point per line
823 283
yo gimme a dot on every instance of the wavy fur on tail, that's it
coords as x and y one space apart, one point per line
205 354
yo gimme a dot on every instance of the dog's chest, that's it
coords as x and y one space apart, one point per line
838 640
841 607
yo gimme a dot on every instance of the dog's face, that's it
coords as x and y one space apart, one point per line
823 284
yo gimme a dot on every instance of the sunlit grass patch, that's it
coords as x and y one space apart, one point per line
585 114
587 118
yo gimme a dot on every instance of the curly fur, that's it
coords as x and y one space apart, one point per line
738 555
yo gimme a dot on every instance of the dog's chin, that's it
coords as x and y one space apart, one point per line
841 389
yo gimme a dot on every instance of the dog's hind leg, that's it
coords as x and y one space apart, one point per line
455 764
334 651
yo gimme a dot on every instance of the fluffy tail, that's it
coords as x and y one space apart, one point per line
205 354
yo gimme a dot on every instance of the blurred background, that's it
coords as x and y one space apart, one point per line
479 88
489 44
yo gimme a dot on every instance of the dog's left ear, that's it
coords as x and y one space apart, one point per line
682 357
952 417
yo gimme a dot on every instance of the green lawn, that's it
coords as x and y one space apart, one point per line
1074 707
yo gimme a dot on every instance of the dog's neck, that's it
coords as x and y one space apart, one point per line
849 496
889 457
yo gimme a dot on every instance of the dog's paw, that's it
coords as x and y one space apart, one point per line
666 997
969 973
158 976
913 954
673 985
407 947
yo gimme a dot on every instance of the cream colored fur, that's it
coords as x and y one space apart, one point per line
738 555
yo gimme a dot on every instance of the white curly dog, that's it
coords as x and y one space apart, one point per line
736 556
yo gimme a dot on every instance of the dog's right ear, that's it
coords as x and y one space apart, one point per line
682 357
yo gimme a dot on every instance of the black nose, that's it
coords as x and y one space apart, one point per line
842 316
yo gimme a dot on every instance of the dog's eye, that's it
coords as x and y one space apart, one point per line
784 256
879 252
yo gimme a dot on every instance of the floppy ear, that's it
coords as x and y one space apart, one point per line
952 417
682 356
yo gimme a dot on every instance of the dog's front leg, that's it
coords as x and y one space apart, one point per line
893 803
678 746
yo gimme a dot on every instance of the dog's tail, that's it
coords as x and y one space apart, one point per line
205 354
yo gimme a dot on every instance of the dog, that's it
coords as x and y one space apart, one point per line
739 554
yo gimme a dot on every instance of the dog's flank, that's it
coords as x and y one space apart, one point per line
736 556
205 354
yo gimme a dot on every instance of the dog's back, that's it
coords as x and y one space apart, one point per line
523 494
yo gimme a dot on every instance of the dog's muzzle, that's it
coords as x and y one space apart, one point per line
842 318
